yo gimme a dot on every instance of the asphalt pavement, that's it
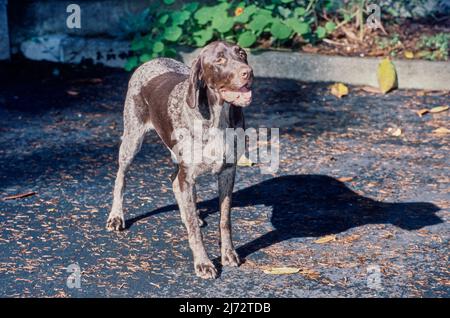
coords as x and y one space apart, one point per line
359 204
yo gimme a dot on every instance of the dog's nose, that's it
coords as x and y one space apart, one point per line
245 72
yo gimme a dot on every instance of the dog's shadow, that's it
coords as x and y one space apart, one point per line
315 205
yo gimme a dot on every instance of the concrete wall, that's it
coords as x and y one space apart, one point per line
38 29
107 18
4 32
98 18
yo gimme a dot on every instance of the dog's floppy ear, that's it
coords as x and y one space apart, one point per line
194 83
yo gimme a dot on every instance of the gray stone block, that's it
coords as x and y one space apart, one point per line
71 49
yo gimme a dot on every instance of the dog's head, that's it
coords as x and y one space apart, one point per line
223 70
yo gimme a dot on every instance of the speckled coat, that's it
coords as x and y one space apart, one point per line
158 99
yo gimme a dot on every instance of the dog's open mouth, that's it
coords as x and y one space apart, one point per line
241 97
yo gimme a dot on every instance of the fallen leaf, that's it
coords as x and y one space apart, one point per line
440 93
19 196
438 109
371 89
281 270
422 112
387 76
326 239
72 93
423 53
421 93
350 238
350 34
441 131
310 49
345 179
396 132
339 90
245 162
309 273
408 54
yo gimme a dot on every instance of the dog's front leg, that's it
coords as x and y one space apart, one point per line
184 191
226 183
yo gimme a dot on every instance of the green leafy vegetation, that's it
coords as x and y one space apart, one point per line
434 47
260 23
244 22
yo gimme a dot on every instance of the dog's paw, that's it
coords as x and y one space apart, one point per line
115 223
205 270
230 258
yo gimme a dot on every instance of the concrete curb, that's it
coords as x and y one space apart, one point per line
415 74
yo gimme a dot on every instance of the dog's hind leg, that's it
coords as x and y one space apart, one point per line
132 138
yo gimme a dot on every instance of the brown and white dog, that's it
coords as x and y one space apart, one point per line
165 95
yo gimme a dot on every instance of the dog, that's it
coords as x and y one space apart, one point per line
166 96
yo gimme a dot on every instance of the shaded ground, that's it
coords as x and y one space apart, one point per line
341 173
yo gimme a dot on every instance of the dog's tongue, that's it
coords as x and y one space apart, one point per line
241 98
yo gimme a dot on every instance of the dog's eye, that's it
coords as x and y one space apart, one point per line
242 54
220 61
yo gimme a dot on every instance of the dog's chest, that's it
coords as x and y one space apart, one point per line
201 142
214 151
212 142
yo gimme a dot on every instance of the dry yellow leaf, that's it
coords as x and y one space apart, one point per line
387 76
441 131
339 90
422 111
396 132
326 239
371 89
438 109
245 162
421 93
309 273
345 179
350 238
281 270
409 54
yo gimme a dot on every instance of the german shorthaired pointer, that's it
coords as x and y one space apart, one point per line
165 95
